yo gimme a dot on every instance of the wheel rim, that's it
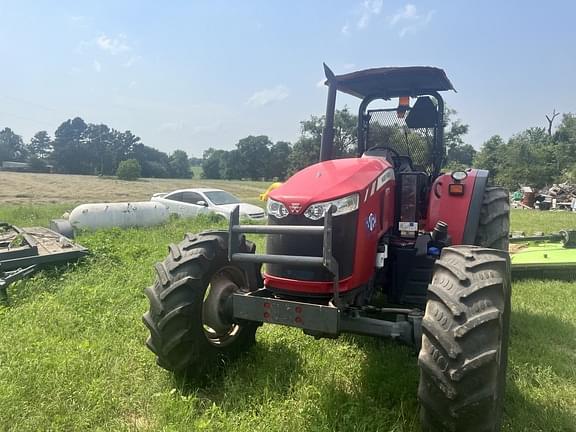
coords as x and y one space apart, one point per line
216 319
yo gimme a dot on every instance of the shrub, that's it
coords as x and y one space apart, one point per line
128 170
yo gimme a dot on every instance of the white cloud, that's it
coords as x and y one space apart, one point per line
118 47
267 96
409 12
369 9
97 66
410 20
132 84
113 46
362 16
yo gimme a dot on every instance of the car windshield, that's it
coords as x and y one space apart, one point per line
222 198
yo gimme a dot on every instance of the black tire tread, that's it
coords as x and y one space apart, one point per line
174 318
464 354
494 224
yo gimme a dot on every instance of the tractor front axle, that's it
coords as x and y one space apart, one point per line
326 320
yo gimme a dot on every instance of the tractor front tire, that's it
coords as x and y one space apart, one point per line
494 224
464 349
191 330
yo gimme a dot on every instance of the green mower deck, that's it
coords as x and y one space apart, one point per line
546 259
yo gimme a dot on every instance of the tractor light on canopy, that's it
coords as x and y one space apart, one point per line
343 205
403 106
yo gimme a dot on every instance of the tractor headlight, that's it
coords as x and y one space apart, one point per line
343 205
276 209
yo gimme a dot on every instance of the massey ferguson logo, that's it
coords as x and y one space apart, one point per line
295 207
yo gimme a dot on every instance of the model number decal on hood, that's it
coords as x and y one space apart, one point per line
379 183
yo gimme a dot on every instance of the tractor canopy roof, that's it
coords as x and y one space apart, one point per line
390 81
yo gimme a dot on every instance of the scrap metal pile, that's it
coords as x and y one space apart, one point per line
559 196
24 250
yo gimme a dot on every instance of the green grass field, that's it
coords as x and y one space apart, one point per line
72 354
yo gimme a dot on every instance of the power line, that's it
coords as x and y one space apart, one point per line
17 99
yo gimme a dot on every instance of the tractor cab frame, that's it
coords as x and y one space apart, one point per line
415 132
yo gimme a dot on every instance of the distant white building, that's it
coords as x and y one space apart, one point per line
15 166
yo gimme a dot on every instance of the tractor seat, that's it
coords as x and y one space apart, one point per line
403 164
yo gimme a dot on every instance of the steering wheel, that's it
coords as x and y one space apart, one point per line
394 153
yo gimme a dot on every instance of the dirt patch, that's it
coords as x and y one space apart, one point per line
517 247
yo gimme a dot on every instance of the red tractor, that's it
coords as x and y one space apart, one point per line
381 244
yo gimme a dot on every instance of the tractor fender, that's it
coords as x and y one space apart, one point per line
460 212
473 217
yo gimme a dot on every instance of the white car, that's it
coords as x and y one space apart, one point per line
192 202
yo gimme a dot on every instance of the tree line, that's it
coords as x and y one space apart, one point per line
537 156
257 157
84 148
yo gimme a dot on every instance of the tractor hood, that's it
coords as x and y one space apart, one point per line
328 180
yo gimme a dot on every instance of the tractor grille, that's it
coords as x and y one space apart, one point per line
344 241
385 128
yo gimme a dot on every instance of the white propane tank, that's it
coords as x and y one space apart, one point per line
123 215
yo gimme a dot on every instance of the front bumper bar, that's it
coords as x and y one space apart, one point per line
327 260
257 307
324 320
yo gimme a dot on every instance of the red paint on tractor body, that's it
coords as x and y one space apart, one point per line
326 181
372 179
452 209
338 178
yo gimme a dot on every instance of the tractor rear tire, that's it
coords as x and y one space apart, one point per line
464 349
494 226
192 290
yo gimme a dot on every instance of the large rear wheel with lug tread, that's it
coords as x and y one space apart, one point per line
494 224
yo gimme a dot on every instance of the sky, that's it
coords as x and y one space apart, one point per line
197 74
